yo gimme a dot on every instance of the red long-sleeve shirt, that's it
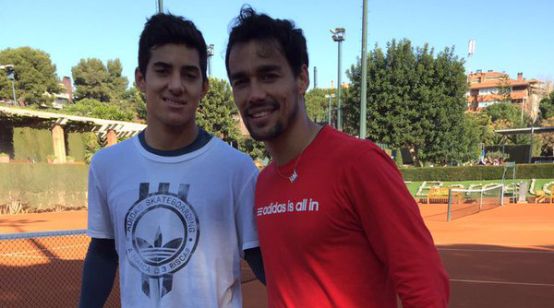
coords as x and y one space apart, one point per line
346 233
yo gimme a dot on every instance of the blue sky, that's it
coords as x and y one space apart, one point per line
511 36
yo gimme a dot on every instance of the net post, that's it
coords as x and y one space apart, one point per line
449 210
481 199
502 195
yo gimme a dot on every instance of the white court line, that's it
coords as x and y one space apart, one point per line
499 250
505 282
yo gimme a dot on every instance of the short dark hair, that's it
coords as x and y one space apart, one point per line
166 28
249 26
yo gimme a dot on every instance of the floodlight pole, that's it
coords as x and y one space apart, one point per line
160 6
329 107
315 77
338 36
13 92
363 90
210 54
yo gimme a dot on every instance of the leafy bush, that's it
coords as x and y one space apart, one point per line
95 109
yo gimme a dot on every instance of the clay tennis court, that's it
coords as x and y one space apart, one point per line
46 271
502 257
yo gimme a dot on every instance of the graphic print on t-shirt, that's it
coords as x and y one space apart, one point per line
161 231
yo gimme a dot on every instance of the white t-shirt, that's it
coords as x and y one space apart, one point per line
180 223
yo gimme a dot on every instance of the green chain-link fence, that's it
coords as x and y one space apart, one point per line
44 269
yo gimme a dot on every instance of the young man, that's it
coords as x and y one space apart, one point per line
337 226
174 205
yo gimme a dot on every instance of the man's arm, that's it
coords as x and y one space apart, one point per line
253 257
98 273
396 231
246 224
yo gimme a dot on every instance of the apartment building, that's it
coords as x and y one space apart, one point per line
488 88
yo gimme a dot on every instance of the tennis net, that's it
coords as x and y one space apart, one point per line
464 202
43 269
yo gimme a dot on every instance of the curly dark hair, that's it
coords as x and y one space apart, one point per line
250 25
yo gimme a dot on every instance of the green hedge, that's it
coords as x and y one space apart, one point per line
468 173
75 146
78 144
6 142
32 144
40 187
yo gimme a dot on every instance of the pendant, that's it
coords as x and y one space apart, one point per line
293 176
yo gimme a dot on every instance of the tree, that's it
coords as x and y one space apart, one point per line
547 106
89 77
477 131
414 100
94 80
116 81
505 116
316 104
504 89
547 139
217 114
508 112
484 124
135 101
35 75
255 149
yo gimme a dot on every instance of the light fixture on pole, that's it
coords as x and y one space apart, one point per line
210 54
10 75
338 36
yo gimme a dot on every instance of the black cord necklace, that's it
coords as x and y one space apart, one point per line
294 175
